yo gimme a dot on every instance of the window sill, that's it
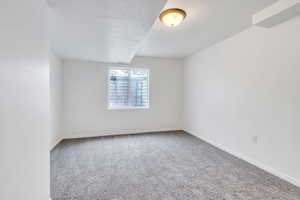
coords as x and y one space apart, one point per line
127 108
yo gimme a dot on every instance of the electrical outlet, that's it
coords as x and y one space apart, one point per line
255 139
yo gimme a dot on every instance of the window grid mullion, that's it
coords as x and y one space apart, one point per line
129 88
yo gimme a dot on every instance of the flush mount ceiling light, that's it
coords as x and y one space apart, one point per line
172 17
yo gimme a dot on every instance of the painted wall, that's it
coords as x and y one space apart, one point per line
56 99
85 99
243 96
24 101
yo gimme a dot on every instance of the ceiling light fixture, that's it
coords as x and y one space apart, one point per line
172 17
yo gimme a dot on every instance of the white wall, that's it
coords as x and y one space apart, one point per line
56 99
248 86
24 101
85 99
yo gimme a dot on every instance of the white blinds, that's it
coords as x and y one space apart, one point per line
128 87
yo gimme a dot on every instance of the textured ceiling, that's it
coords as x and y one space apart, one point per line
117 30
207 22
101 30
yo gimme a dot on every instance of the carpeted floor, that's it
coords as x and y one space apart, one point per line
159 166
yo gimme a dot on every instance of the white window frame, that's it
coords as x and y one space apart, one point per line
109 107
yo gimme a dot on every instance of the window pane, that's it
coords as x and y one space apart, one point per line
118 87
139 88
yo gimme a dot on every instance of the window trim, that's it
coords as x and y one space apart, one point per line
109 107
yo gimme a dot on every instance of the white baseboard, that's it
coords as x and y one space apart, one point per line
115 133
78 135
52 146
258 164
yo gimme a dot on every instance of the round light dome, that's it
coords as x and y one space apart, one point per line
172 17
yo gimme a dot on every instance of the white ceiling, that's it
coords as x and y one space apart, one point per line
101 30
207 22
117 30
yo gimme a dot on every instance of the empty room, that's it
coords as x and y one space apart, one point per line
150 100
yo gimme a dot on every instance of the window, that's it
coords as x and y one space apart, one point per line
128 88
